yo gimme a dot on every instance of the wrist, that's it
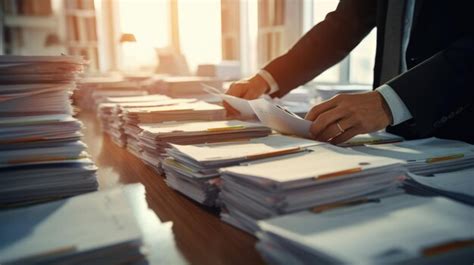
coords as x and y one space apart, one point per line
384 106
258 82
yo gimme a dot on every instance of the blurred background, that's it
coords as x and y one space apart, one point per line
173 36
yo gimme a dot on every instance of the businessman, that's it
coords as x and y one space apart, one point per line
423 74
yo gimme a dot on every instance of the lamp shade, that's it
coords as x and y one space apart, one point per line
127 37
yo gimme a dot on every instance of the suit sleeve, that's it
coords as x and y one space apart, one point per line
324 45
438 89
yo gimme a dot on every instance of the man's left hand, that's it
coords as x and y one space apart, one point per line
346 115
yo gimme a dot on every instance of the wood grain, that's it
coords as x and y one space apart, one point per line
199 234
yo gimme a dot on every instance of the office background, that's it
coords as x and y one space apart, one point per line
205 31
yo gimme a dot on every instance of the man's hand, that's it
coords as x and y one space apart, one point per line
248 89
346 115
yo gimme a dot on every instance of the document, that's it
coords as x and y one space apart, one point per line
155 137
262 147
396 230
41 155
320 176
379 137
458 185
241 105
269 113
426 156
112 225
280 119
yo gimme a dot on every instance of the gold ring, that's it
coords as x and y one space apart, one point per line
340 128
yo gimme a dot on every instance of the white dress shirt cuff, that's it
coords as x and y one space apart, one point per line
400 112
270 81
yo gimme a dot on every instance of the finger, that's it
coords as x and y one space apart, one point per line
320 108
346 135
333 129
325 119
252 94
230 110
238 89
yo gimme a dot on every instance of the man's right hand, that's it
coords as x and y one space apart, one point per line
248 89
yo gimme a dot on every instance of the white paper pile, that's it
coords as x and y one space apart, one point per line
41 156
402 229
155 138
379 137
106 227
99 97
225 70
458 185
193 169
328 91
184 86
111 112
427 156
321 176
189 111
90 91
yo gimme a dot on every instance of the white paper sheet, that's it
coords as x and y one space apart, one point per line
242 105
280 119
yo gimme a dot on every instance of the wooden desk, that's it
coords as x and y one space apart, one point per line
199 234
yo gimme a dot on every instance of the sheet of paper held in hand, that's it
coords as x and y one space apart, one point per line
242 105
270 114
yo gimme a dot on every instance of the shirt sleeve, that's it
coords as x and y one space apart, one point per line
399 110
270 81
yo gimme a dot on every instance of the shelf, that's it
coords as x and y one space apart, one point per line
81 12
49 22
82 44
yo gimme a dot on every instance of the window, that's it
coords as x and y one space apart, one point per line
320 9
200 31
357 67
148 21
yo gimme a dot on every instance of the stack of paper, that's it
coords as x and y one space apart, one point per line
39 69
323 175
458 185
189 111
225 70
90 91
328 91
99 97
427 156
96 228
193 169
397 230
111 113
379 137
113 121
184 86
155 138
41 156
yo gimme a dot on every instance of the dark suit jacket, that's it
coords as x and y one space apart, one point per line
438 87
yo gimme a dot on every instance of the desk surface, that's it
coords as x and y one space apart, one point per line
199 234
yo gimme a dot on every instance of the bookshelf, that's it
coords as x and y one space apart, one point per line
25 25
230 17
278 27
81 28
